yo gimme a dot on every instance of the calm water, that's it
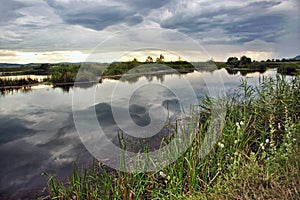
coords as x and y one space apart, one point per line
37 131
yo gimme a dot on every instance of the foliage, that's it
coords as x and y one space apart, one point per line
255 158
149 59
17 82
233 61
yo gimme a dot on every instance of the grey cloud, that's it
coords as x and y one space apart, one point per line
266 28
240 24
135 20
9 11
96 16
154 4
264 4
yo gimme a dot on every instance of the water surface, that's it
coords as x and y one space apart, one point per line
37 131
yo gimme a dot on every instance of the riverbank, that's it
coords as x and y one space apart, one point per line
256 156
68 73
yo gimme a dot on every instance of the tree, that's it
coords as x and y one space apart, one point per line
149 59
45 66
233 61
160 59
245 60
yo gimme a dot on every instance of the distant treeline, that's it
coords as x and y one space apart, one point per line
132 66
68 73
245 64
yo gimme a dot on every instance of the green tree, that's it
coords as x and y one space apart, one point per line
161 58
245 60
233 61
149 59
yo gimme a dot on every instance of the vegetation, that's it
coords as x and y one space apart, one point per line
255 158
63 74
246 65
148 66
7 82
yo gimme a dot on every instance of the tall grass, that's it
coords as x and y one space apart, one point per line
255 158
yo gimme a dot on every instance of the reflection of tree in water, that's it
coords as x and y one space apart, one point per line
6 91
231 72
244 72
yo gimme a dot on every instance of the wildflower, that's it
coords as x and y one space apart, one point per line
261 144
235 141
238 126
279 126
267 140
162 174
252 153
241 123
294 139
221 145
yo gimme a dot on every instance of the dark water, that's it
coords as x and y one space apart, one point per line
38 134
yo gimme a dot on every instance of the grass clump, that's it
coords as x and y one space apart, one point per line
8 82
256 156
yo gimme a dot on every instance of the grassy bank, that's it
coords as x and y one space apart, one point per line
284 68
7 82
255 158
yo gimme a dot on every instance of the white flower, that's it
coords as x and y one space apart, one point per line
261 144
221 145
241 123
238 126
267 140
235 141
162 174
263 147
294 139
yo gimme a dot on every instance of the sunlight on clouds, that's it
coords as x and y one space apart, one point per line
186 55
41 57
254 55
258 55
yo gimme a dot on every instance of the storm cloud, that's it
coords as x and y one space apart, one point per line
56 25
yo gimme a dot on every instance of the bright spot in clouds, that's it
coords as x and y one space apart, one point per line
42 57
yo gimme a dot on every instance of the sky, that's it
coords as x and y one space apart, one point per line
39 31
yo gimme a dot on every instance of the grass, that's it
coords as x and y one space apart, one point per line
255 158
8 82
285 68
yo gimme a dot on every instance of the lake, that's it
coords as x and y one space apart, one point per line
38 134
